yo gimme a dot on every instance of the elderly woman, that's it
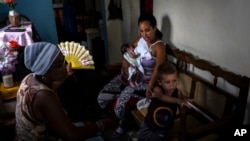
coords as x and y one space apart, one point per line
37 102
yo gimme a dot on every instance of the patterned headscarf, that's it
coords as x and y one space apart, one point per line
39 57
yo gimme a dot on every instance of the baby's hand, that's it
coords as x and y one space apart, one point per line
137 55
133 54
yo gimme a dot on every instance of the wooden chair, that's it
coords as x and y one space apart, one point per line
220 99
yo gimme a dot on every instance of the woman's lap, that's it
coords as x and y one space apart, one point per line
109 92
125 97
128 99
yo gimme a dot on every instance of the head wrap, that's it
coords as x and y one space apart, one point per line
39 57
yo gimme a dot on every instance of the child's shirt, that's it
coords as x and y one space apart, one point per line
160 114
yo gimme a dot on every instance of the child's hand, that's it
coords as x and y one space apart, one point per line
184 102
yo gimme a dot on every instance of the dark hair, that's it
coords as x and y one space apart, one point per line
124 47
158 34
165 68
152 20
147 17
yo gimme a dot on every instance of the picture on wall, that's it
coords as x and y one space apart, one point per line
146 6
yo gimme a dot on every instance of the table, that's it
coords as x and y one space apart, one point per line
9 93
24 38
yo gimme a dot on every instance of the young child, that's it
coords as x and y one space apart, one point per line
130 56
163 106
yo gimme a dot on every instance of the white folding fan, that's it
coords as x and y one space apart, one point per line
77 55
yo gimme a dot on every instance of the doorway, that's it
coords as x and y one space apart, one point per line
82 21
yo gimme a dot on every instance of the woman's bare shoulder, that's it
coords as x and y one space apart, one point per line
46 96
159 43
159 48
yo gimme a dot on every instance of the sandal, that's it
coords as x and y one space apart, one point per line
118 132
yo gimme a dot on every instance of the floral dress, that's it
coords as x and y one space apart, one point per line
27 127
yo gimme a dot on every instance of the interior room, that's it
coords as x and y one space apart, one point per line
206 40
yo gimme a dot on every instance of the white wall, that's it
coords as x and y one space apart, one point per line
121 31
114 37
215 30
131 12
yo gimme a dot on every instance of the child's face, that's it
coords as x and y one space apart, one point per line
168 82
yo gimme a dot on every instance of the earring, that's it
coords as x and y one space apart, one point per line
44 78
159 82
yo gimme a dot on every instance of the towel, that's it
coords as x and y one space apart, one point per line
143 49
39 57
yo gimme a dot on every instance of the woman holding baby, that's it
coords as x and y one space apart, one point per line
152 53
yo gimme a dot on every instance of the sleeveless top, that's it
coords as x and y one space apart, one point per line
160 114
146 61
27 127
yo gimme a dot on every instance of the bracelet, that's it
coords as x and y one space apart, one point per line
100 125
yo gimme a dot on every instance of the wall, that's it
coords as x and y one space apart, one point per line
121 31
40 12
213 30
114 37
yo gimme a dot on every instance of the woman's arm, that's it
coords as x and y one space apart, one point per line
125 66
134 44
47 107
159 51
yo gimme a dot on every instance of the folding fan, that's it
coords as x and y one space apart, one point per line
77 55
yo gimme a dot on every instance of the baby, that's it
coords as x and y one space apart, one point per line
130 56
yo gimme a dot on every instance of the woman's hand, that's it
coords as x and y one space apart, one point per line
69 69
133 55
149 92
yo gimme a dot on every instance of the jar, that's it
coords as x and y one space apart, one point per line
8 80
